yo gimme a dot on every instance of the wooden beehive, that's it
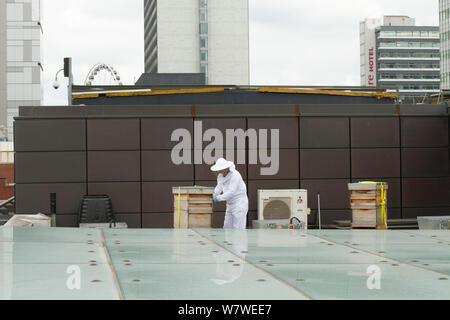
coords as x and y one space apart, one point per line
368 202
196 207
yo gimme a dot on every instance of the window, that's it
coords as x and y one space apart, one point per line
410 65
409 34
420 87
434 33
203 56
404 44
203 42
204 68
203 28
387 33
404 33
203 15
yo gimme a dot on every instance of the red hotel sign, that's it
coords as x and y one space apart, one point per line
371 76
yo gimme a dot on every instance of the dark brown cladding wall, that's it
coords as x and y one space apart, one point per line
324 133
34 198
375 163
50 167
129 158
163 129
114 166
289 135
324 163
113 134
50 135
375 132
425 132
126 195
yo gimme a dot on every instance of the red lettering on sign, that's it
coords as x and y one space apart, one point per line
371 77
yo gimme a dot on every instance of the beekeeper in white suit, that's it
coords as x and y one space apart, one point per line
232 189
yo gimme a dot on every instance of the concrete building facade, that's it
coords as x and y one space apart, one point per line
20 60
396 53
198 36
444 23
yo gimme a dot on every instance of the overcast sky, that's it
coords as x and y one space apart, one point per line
292 42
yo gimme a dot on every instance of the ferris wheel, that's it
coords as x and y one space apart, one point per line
105 69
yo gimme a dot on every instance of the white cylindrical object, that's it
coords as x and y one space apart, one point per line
318 206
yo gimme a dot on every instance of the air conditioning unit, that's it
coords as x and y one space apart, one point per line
283 205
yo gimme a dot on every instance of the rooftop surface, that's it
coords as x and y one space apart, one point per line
169 95
216 264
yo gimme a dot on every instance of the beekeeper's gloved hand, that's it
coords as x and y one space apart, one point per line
215 200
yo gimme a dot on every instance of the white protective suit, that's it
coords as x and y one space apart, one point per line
233 190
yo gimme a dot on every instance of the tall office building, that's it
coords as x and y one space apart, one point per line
397 53
444 22
198 36
20 56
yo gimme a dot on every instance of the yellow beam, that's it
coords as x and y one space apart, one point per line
85 96
147 93
163 92
330 92
209 90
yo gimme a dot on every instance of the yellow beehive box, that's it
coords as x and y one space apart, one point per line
368 202
193 207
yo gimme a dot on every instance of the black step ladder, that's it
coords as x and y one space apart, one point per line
96 209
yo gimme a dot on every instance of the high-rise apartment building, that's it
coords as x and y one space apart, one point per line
20 56
396 53
198 36
444 23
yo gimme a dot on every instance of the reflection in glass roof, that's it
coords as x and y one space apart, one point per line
216 264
